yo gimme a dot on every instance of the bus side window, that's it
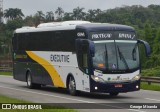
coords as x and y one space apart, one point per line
83 58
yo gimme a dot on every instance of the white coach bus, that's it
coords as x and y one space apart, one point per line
79 56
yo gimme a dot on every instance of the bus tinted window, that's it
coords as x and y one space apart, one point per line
47 41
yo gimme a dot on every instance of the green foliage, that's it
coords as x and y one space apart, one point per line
59 13
13 13
6 73
14 24
148 33
151 72
153 86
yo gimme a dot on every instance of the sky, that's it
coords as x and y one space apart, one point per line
30 7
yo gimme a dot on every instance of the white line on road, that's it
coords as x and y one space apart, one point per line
48 95
153 99
136 110
84 101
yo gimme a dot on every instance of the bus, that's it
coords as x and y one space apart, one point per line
79 56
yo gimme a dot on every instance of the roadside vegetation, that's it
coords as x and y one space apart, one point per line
6 73
155 72
5 99
152 86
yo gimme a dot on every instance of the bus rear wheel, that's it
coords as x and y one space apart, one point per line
30 83
113 94
72 86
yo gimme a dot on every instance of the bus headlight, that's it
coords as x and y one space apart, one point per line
97 79
137 77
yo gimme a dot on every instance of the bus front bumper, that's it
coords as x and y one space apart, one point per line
115 87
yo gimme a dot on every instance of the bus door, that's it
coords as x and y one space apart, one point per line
84 55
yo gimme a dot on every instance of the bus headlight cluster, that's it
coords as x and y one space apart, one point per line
97 79
137 77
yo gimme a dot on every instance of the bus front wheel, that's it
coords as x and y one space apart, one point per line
72 86
30 84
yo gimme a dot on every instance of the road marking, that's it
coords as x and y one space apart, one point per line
153 99
68 98
136 110
48 95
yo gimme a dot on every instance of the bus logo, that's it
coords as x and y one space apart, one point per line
81 34
6 106
118 77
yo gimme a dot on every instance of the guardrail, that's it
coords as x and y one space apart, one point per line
150 79
6 69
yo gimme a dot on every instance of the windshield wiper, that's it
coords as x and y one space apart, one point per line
106 56
122 58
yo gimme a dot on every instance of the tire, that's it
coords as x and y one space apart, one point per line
30 83
114 94
72 86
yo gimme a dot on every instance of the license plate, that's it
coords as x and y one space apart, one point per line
118 85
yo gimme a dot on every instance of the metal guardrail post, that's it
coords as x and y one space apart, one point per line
150 79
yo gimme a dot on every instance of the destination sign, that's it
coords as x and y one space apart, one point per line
101 36
117 35
123 35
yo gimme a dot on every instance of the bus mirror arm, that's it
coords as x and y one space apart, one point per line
146 45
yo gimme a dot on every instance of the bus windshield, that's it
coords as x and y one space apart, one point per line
116 55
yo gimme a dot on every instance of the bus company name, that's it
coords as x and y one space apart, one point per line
126 36
59 58
81 34
101 36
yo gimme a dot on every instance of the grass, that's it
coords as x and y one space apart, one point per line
153 86
6 73
151 72
5 99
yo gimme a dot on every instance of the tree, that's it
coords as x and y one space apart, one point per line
148 33
156 46
91 15
59 13
78 13
49 16
6 37
29 21
39 17
98 11
1 16
13 13
67 16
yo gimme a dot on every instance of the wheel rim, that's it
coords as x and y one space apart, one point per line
29 80
72 85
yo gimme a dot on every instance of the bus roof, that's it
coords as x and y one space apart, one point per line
71 25
52 26
104 26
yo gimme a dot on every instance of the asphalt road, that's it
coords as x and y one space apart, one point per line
17 89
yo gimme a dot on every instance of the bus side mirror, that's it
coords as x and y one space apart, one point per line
146 45
92 48
134 54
